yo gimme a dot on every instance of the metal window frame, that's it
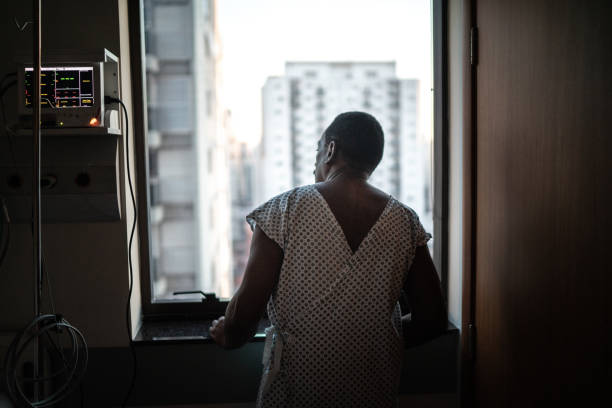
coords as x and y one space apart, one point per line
181 309
441 153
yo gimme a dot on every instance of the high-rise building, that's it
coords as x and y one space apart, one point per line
188 169
298 106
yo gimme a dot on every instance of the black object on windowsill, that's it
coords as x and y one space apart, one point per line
206 297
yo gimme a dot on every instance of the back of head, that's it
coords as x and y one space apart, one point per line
360 139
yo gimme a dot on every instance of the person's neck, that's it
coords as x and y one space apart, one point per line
346 173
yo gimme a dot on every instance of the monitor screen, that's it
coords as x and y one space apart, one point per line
62 87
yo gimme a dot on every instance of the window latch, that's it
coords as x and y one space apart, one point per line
206 297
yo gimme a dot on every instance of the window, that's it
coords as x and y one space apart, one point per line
219 132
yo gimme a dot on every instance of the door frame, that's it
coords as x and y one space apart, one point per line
468 329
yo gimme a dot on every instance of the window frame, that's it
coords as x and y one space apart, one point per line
440 183
159 309
185 309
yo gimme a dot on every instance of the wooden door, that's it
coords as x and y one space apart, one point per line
543 104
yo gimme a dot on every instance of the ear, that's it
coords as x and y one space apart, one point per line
331 152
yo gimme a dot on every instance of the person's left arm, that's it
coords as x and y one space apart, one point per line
246 308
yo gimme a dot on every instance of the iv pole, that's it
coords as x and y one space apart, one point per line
36 242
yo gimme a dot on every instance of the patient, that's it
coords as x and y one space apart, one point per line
330 261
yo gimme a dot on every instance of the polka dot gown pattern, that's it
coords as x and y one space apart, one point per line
335 312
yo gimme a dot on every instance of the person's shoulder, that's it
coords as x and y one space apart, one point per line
412 222
300 195
406 210
299 192
302 190
295 192
289 196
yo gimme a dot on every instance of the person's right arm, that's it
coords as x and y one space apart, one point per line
428 316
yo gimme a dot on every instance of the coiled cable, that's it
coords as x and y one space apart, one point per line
73 368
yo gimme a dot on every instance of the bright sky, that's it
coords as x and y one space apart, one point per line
259 36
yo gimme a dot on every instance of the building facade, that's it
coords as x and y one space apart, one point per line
298 106
188 169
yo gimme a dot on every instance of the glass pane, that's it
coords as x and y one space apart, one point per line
238 94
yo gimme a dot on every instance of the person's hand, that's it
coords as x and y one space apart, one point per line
217 331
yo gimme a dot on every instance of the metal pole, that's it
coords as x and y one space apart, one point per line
36 244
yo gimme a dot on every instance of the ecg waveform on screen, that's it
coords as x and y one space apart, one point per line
62 87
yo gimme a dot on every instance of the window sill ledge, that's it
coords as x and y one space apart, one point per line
196 332
184 332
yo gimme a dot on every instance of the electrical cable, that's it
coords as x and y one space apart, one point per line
110 100
74 367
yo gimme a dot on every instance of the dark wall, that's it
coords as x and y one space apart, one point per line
176 374
543 200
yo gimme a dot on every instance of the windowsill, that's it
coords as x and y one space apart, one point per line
196 332
184 332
